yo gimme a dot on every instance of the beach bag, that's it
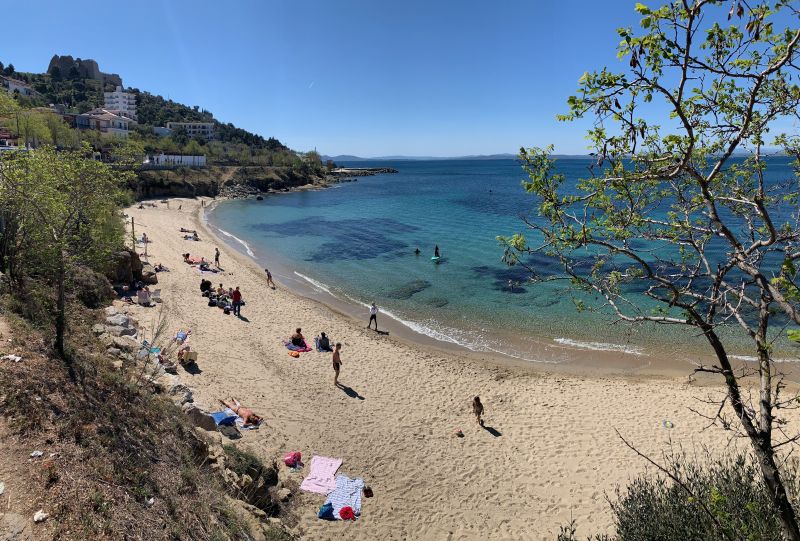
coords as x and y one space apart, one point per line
292 459
294 354
226 310
212 302
326 512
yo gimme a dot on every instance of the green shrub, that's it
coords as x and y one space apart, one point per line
656 508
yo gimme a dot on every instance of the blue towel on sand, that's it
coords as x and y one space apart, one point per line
226 417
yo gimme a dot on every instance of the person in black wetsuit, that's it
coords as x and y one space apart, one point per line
436 251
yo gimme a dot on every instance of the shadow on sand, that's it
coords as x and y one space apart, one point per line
491 430
349 391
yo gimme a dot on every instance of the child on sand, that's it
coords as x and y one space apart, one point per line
337 363
270 283
477 409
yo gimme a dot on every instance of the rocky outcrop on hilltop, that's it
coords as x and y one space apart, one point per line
86 68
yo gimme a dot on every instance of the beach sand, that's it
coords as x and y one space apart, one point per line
549 452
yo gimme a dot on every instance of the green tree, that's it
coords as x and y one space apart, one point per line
727 239
64 204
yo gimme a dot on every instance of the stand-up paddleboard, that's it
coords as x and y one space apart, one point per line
435 259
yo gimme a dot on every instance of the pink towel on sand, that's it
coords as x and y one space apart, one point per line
321 477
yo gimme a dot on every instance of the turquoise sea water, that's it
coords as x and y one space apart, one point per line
357 241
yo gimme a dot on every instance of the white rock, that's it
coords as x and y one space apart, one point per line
36 454
118 320
2 488
40 515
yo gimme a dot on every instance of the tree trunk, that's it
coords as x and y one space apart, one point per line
761 442
61 318
777 491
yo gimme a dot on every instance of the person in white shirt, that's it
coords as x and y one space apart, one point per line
373 316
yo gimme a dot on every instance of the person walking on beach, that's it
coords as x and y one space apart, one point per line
270 283
337 363
216 257
477 409
236 297
373 316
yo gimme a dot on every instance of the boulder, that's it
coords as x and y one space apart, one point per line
111 310
149 274
283 494
91 288
126 267
181 394
199 418
98 329
121 331
118 320
125 343
114 352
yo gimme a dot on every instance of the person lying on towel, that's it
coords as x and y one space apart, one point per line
250 418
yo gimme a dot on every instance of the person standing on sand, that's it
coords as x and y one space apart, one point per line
236 297
216 257
373 316
477 409
270 283
337 363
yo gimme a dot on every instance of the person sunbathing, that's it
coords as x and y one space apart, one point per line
181 336
298 339
250 418
186 258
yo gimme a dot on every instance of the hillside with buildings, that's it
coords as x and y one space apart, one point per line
75 103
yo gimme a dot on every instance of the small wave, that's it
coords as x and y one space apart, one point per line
432 328
752 359
599 346
240 241
319 285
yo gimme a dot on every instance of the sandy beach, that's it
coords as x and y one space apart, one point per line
549 451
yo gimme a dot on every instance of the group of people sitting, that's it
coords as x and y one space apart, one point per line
321 342
191 236
220 297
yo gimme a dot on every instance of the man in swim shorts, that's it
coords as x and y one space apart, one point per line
337 363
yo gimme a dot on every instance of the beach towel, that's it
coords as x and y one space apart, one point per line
292 347
321 475
224 417
346 494
228 417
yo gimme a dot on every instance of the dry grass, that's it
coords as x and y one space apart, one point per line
127 464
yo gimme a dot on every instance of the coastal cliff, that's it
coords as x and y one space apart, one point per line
237 180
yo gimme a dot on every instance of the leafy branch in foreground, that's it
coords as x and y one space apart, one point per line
710 238
58 210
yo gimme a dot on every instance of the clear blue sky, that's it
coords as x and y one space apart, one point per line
365 77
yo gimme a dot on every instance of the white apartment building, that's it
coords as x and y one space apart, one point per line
12 85
194 129
121 102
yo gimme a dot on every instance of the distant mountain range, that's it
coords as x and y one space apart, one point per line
350 158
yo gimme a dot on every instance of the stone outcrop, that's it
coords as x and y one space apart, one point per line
87 69
126 267
91 288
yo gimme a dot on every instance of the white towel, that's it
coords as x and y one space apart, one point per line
347 493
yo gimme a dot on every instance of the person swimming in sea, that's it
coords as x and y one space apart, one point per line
417 251
436 251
